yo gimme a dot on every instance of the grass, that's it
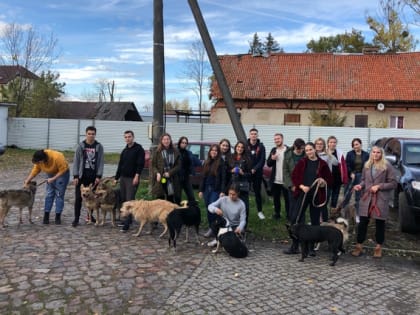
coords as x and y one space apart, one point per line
267 229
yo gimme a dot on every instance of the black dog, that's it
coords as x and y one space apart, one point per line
307 234
189 216
228 239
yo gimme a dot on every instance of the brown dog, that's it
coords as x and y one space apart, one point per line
107 198
21 198
148 211
90 201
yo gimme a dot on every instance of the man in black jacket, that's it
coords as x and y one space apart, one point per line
257 151
129 170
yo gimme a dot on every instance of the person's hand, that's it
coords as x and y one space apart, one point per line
322 183
219 212
222 194
97 180
304 188
200 195
50 180
357 187
274 156
238 230
166 174
374 189
252 171
75 181
352 176
158 177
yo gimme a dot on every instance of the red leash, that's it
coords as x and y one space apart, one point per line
373 209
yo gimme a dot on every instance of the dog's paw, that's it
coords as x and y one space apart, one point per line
214 251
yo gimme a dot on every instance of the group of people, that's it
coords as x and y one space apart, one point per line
306 174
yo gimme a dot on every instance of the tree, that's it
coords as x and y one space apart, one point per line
174 104
391 35
415 7
105 90
197 71
349 42
45 92
271 45
329 117
24 46
256 47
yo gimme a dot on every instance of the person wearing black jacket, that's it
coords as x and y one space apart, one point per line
129 169
257 153
188 164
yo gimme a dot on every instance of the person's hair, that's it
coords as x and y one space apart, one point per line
39 156
91 128
320 139
129 131
211 166
181 139
279 134
331 137
245 154
355 140
160 145
253 129
228 153
311 144
298 143
235 188
381 164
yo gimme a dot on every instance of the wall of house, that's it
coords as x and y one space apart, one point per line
376 119
65 134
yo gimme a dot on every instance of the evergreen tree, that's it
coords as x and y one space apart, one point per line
256 47
271 45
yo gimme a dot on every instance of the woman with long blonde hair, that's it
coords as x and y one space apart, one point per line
378 181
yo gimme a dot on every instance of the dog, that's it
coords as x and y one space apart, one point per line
342 224
90 201
148 211
228 239
108 198
188 215
307 234
348 213
21 198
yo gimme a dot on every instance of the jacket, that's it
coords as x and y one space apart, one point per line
323 171
386 179
257 154
131 161
273 164
158 166
351 156
78 161
288 166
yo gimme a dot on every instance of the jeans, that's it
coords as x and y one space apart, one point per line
128 192
277 190
210 195
56 191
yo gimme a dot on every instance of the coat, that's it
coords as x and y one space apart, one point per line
323 171
158 165
386 179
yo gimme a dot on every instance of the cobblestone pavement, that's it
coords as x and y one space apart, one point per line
98 270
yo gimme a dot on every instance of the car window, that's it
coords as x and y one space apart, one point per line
412 154
195 150
206 148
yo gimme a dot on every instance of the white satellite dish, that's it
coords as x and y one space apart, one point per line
380 106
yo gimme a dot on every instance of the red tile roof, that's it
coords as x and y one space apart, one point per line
324 76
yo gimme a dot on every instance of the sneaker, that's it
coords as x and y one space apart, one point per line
212 243
75 223
261 215
317 246
311 253
209 233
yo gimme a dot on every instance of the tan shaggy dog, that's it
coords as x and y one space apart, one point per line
148 211
90 201
107 198
20 198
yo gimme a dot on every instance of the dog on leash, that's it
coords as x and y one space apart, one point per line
228 239
307 234
189 215
348 213
90 201
108 198
148 211
342 224
20 198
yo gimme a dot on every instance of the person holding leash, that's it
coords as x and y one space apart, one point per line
310 177
88 167
129 170
55 165
378 180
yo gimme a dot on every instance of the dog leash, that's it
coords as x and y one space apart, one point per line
42 182
373 209
316 184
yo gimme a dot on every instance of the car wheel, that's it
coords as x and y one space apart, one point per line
406 219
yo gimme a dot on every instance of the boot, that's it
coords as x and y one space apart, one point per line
293 250
46 218
358 250
377 252
58 218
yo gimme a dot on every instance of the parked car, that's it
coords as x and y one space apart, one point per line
404 155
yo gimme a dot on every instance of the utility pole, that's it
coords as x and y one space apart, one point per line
220 77
158 72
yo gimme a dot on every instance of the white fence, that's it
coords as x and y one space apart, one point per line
64 134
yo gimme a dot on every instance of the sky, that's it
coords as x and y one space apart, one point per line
113 39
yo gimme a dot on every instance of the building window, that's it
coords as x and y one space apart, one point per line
292 119
396 122
361 121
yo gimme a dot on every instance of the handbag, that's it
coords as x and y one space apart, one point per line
170 188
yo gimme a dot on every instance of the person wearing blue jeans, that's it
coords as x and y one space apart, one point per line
55 165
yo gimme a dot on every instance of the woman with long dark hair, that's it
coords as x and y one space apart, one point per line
187 164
